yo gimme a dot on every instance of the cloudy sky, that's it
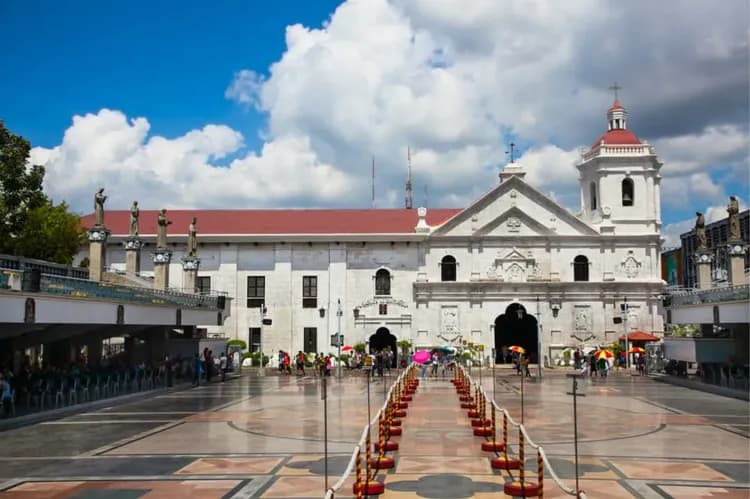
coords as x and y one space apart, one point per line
283 104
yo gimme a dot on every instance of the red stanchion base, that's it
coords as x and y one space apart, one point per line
483 432
382 463
406 398
390 446
521 489
396 422
466 398
503 463
493 446
394 431
399 414
474 414
402 405
369 488
480 422
468 405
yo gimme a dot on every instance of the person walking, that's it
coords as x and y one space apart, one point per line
223 366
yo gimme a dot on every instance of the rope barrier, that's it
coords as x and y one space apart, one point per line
355 460
524 439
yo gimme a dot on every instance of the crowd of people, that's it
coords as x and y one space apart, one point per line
592 366
207 366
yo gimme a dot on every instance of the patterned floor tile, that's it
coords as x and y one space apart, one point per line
231 466
680 491
669 470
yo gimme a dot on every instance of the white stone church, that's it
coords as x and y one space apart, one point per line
514 267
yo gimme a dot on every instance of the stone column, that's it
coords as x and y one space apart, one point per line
736 251
97 251
703 261
190 265
133 255
161 259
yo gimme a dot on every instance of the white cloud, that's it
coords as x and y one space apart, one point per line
106 149
671 232
453 80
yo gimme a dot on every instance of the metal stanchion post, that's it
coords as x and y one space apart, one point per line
494 380
523 375
324 396
575 395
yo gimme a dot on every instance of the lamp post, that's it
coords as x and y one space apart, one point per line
538 342
262 310
339 314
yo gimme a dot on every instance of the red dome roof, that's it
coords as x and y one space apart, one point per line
616 105
617 137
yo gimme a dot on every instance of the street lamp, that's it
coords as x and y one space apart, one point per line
624 307
339 313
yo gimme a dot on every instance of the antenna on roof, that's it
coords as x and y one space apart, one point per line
373 181
408 180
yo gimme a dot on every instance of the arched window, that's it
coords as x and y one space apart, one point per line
382 282
448 268
627 192
592 193
580 268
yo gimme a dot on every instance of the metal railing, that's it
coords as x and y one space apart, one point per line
358 448
70 286
713 295
525 438
21 263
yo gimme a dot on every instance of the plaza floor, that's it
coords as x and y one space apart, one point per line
262 436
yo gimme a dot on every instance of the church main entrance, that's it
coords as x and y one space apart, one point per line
382 340
516 327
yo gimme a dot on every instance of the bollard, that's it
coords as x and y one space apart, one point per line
539 473
504 462
382 461
493 445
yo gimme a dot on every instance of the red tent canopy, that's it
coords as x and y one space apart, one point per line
640 336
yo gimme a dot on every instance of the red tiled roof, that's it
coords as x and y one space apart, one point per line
617 137
640 336
375 221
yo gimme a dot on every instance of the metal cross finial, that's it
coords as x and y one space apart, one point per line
511 152
615 88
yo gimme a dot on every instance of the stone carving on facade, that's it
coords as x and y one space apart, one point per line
492 272
630 266
449 320
515 273
161 237
536 271
582 319
192 245
513 224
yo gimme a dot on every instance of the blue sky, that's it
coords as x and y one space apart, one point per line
283 104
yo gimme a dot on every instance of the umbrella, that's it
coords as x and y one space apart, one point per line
637 350
517 349
604 354
448 348
347 348
421 357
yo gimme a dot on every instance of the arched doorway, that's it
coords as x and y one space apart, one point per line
382 340
516 327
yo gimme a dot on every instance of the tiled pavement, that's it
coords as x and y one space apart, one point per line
262 437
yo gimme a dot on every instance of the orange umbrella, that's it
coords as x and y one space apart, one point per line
517 349
604 354
636 350
347 348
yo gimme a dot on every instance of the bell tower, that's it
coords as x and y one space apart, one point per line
619 179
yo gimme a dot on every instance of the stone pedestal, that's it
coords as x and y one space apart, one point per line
97 251
190 265
161 259
133 255
736 251
703 269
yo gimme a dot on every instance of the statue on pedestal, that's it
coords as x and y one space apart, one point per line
161 237
734 219
134 212
700 232
192 244
99 199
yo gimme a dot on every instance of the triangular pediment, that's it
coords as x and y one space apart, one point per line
514 209
513 222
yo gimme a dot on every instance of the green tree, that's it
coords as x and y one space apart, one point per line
51 233
30 224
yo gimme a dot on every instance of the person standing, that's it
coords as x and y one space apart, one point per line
223 365
197 370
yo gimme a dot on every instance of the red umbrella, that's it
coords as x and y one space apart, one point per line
347 348
517 349
604 354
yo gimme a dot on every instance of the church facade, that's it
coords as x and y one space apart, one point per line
513 268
